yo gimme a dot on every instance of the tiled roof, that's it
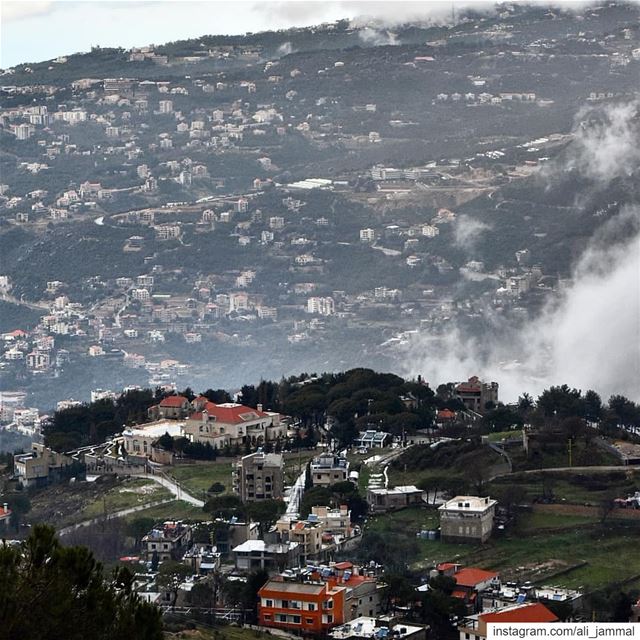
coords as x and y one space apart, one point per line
534 612
173 402
470 576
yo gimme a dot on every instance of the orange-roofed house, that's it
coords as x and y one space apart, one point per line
305 608
475 627
230 423
471 581
171 408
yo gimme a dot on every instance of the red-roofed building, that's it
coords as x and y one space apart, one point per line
475 627
445 416
170 408
309 608
470 581
230 423
5 514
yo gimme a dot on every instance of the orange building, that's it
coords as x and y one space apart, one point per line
307 607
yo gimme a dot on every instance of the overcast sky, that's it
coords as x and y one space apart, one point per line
36 30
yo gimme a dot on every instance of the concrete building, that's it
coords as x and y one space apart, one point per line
309 608
366 627
39 466
138 440
259 476
167 542
475 394
383 500
328 469
467 519
258 554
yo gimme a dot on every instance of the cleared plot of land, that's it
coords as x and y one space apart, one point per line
131 493
176 510
200 476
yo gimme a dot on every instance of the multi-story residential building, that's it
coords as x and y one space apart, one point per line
259 476
168 542
328 469
138 440
467 519
303 607
321 306
475 394
39 466
230 423
273 556
170 408
307 533
333 521
367 235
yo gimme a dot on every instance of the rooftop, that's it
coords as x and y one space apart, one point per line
156 429
366 627
467 503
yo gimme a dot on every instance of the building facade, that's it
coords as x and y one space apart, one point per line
467 519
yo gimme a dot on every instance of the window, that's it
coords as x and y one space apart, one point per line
309 620
285 604
268 603
281 617
267 616
296 619
311 606
329 619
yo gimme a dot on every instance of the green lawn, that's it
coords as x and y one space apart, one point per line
197 478
128 494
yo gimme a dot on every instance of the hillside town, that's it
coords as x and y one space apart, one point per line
323 332
213 190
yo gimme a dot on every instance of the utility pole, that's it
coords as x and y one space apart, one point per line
570 451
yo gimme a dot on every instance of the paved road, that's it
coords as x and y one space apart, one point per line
173 486
297 491
593 469
111 516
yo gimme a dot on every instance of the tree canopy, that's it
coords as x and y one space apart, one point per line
51 592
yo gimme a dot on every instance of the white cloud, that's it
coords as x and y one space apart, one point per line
467 231
13 10
588 337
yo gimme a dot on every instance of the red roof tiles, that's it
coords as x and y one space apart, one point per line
470 576
534 612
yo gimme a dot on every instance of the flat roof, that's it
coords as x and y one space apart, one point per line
156 429
294 587
397 490
467 503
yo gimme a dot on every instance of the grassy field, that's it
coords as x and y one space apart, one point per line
575 487
572 551
198 478
228 632
130 494
498 436
175 510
